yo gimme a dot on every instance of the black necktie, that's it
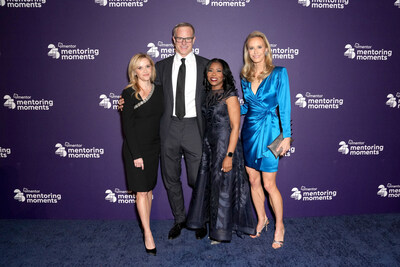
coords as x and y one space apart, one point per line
180 91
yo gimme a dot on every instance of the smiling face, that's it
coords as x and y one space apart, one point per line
183 46
215 75
143 70
256 48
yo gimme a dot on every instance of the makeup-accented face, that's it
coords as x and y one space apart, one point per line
143 71
215 76
256 48
184 40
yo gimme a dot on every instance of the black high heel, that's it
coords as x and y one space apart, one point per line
152 251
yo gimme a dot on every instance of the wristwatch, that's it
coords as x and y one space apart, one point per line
229 154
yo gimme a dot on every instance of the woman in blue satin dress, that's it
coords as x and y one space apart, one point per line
267 98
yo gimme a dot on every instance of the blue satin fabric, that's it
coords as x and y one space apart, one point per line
261 124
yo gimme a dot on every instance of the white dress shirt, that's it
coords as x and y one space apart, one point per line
190 83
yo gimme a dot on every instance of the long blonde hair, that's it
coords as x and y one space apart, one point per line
248 71
133 79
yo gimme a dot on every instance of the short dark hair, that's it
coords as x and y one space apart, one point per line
182 24
229 81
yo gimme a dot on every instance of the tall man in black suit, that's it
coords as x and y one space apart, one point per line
182 124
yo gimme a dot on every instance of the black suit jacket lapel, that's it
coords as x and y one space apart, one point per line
168 79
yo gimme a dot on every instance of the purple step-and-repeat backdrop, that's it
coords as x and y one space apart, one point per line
63 65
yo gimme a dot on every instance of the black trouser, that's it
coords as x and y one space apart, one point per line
183 138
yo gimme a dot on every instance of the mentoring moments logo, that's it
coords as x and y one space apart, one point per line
109 101
393 101
71 52
284 52
389 191
318 101
5 152
357 148
224 3
120 196
312 194
323 4
163 50
36 197
78 151
121 3
291 151
27 103
22 3
366 53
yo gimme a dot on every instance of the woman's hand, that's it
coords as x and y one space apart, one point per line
227 164
138 162
121 103
284 145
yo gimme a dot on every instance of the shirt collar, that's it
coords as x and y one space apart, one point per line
189 58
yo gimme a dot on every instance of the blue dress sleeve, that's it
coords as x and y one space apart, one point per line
283 95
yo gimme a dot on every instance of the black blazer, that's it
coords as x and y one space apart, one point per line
164 78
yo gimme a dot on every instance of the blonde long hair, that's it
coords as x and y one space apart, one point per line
248 71
133 79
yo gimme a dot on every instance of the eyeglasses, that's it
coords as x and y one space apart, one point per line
186 39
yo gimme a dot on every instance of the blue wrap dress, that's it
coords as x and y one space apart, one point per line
261 125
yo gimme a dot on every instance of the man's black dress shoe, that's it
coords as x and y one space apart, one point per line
176 230
152 251
201 233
